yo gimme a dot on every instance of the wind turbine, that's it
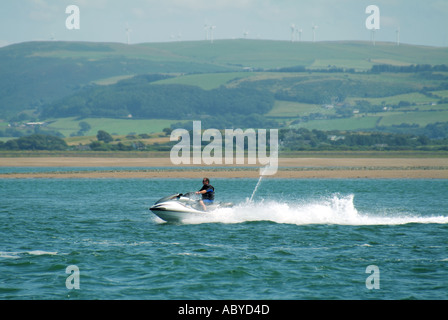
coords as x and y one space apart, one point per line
128 32
293 32
245 34
372 36
314 32
398 35
212 28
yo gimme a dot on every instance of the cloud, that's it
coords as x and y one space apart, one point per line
389 21
139 13
99 4
41 10
211 4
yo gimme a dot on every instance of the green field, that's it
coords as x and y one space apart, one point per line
112 80
442 93
68 126
206 81
249 53
413 98
291 110
274 54
420 118
372 121
358 123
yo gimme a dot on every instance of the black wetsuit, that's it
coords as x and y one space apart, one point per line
209 195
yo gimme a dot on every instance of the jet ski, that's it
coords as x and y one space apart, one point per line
178 207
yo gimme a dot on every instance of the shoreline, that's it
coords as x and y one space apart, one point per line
318 174
298 168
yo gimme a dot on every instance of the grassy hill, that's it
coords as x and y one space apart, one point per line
278 54
232 54
323 85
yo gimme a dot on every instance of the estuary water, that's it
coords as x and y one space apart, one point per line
296 239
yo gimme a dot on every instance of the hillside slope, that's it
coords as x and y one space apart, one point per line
37 73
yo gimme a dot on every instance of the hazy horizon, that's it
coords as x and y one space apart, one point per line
143 21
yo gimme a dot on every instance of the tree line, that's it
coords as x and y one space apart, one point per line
35 142
289 139
377 68
139 98
414 68
303 139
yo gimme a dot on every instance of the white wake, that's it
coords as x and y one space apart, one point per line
337 209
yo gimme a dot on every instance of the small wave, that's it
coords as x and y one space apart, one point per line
17 255
40 253
337 209
9 255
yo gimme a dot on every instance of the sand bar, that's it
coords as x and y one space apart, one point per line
322 174
166 162
412 168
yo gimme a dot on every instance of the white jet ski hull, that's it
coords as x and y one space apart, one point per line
175 212
179 207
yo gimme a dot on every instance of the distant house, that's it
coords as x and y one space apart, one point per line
34 124
335 138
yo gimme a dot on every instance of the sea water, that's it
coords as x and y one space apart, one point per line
296 239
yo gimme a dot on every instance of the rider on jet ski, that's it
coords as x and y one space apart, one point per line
208 193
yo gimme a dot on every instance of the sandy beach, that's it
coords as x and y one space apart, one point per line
394 168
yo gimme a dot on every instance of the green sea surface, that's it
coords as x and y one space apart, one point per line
296 239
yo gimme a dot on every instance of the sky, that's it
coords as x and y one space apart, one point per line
420 22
